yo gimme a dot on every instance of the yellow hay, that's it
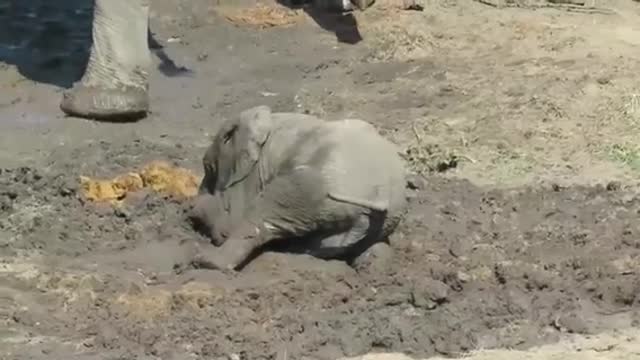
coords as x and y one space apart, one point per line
158 176
262 16
164 178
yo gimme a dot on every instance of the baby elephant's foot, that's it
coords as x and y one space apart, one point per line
207 257
377 258
125 104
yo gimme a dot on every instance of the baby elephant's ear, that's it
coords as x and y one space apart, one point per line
257 124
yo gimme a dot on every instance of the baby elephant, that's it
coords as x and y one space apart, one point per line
330 188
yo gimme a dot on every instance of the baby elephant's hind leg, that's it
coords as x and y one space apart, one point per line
340 245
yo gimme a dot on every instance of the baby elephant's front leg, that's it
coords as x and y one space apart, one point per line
288 207
232 253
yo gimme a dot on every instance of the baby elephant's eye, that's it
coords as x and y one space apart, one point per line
229 134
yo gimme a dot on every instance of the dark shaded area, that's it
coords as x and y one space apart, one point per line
49 41
345 26
167 66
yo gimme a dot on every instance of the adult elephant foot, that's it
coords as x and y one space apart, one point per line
124 104
115 84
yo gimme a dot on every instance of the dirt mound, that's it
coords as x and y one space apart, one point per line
473 268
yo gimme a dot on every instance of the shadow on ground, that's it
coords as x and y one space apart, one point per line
49 41
344 26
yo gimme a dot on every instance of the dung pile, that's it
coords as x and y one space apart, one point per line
158 176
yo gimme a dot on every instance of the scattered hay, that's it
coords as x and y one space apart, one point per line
430 158
395 35
424 157
111 190
149 304
158 176
262 16
399 5
627 154
164 178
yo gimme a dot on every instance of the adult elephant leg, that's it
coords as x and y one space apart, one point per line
116 81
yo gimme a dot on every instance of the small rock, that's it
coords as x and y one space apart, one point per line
375 259
429 293
413 5
133 289
573 324
121 213
5 203
590 286
463 277
459 247
91 283
538 279
395 297
89 343
11 194
613 186
416 182
64 191
500 274
24 317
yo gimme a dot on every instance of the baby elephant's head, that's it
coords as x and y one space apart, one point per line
236 149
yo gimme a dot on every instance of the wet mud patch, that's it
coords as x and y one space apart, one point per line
473 268
45 212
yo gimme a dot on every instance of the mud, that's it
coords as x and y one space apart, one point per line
524 230
472 268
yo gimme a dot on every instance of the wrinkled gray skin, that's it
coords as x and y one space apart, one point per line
331 186
115 84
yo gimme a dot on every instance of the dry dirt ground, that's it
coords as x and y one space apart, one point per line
523 230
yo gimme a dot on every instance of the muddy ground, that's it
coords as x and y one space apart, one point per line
523 230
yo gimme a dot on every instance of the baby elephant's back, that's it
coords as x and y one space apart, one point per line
363 164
